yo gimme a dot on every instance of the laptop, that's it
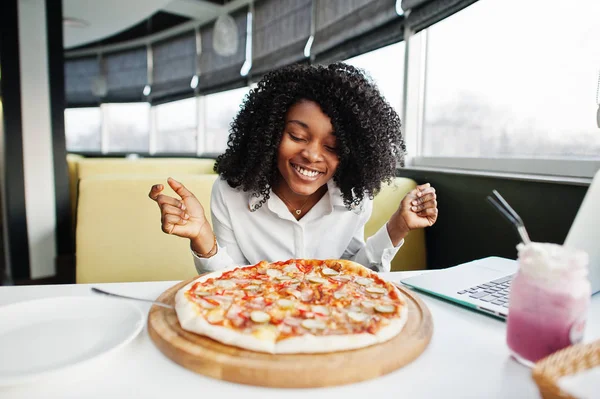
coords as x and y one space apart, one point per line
484 284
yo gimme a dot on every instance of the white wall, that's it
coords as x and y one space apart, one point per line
37 138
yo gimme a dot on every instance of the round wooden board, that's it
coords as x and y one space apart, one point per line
211 358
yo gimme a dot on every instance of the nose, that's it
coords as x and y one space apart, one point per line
312 153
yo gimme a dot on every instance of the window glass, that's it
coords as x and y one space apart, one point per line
176 126
83 129
221 109
386 67
514 78
128 126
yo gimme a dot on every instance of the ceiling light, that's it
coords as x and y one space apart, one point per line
308 46
194 82
246 68
399 9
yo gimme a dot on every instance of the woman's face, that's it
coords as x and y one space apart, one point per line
307 156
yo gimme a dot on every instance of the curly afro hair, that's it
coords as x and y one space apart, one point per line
367 129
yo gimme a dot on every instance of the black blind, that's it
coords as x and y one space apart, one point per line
410 4
221 72
126 75
80 74
424 13
345 28
174 64
281 30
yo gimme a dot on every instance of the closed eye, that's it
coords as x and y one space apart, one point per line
331 149
295 138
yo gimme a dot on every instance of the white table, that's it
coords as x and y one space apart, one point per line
467 358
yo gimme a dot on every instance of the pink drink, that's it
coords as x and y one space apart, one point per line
549 299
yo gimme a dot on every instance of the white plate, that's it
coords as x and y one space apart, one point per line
44 336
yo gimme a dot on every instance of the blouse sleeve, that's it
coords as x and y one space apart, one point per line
228 251
378 251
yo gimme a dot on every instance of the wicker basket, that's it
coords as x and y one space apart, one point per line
564 362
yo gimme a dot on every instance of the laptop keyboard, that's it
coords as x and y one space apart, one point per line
495 291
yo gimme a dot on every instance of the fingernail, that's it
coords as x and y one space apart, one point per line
419 194
183 206
186 216
414 208
414 202
184 221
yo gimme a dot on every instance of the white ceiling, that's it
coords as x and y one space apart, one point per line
105 18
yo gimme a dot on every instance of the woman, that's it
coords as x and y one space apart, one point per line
307 152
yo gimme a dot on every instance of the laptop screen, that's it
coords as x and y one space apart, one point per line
585 231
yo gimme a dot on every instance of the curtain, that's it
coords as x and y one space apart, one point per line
345 28
126 75
174 64
281 30
80 76
220 72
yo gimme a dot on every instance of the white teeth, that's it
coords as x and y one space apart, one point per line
305 172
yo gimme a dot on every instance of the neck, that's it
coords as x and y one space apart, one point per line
298 201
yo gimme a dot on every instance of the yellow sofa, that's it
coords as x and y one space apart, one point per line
119 237
412 254
73 166
81 168
157 167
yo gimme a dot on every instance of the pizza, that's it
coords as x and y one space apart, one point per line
293 306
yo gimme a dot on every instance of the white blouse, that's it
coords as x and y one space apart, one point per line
327 231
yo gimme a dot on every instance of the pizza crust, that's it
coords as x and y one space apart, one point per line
190 320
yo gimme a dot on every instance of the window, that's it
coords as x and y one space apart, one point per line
83 129
514 79
128 127
220 110
386 67
176 126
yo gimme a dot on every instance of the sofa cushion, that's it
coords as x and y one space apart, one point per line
119 235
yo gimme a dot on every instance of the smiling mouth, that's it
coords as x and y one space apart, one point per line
311 174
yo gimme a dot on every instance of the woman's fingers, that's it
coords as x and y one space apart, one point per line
425 205
179 188
170 221
155 190
429 212
177 218
163 200
172 210
173 219
424 190
419 192
425 198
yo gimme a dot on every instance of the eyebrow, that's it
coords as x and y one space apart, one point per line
302 124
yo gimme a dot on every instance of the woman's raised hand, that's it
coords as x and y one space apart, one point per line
181 217
418 209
